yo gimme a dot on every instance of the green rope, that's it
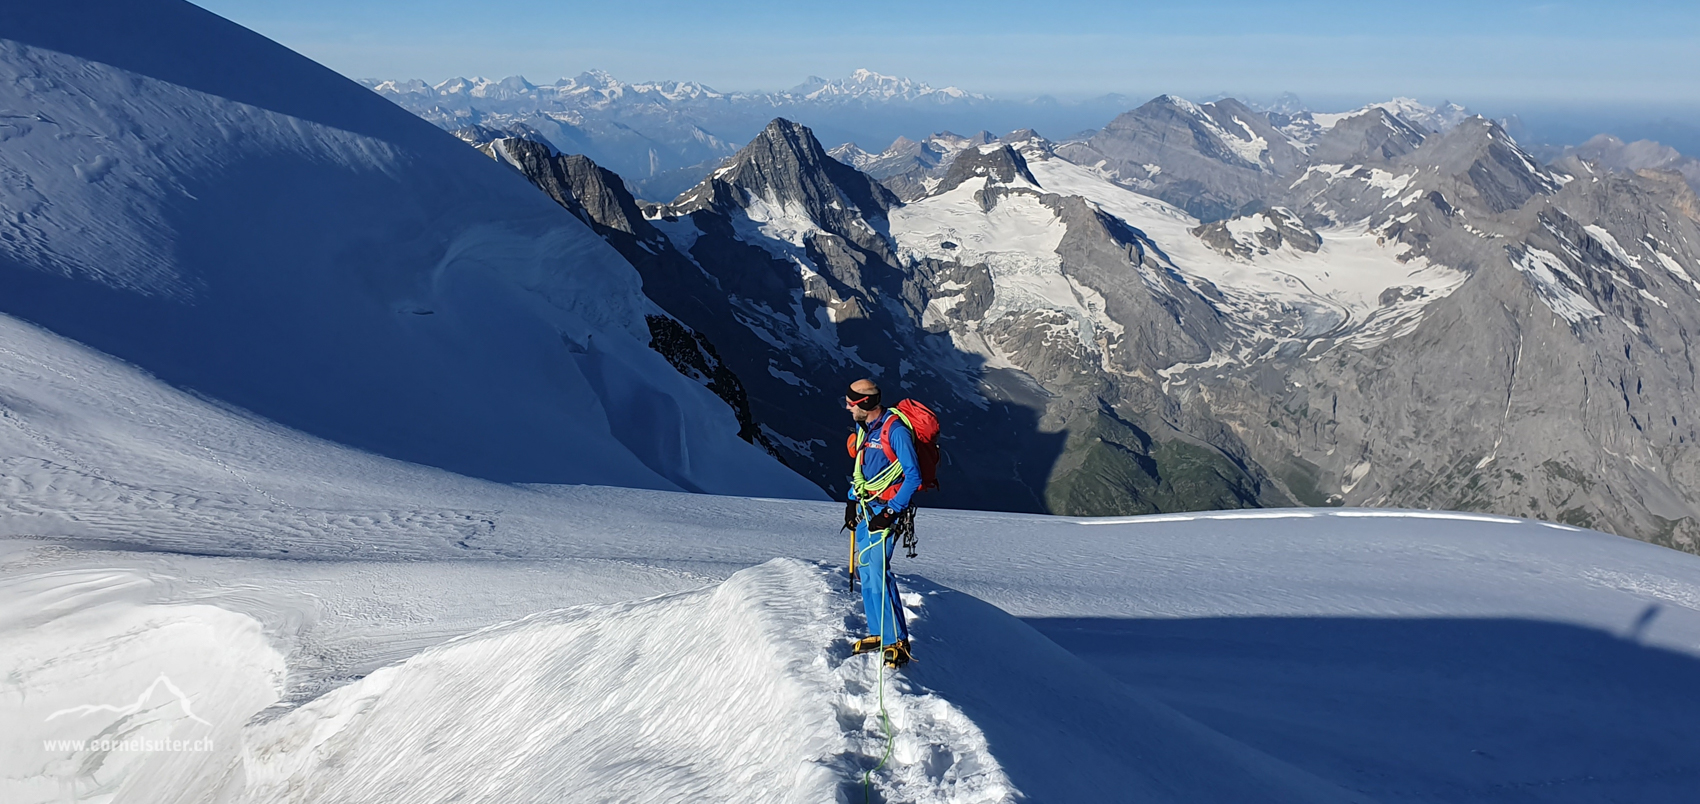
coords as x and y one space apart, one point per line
867 784
885 720
887 477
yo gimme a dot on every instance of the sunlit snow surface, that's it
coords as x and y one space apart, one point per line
319 610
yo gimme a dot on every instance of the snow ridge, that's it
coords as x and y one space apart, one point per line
751 677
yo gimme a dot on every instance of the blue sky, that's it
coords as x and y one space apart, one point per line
1580 53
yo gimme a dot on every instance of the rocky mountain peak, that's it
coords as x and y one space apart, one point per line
1374 136
903 144
1491 169
1000 164
786 166
1211 160
1288 103
480 137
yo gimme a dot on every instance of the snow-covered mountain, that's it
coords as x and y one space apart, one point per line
1236 349
663 137
249 225
656 134
864 86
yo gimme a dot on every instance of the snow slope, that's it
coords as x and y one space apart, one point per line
349 627
237 220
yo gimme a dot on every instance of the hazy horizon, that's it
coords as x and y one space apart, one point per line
1567 70
1526 52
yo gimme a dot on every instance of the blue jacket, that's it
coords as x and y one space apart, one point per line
874 460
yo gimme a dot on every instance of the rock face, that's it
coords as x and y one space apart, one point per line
786 166
1549 384
1371 138
600 199
1376 312
1210 160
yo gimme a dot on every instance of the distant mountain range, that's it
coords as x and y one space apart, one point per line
663 137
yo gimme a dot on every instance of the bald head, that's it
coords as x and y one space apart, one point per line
865 387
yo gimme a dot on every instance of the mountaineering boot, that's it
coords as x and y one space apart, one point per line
865 645
897 654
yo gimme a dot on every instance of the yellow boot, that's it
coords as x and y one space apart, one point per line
865 645
897 654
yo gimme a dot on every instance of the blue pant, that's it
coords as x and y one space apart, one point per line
880 602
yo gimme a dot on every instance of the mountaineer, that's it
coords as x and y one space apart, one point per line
894 455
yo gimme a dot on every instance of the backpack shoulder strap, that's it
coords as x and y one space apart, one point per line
891 417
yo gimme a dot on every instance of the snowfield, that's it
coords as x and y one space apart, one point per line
344 627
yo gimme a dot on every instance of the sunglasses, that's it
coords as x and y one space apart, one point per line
865 402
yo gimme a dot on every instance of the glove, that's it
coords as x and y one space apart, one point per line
882 520
851 515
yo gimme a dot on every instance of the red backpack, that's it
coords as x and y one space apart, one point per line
925 425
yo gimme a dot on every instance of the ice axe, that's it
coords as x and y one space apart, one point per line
850 568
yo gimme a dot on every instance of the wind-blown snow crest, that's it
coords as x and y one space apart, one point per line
741 692
171 688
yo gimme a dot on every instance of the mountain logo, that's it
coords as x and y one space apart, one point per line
140 702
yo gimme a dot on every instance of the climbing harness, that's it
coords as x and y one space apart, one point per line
883 486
